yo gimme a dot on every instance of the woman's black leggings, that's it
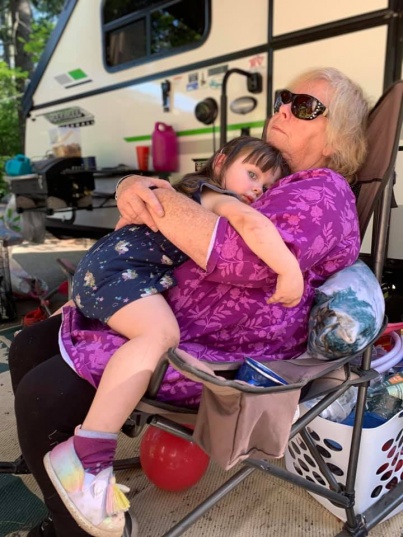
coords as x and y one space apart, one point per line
50 401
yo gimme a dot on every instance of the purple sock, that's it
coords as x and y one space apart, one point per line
96 451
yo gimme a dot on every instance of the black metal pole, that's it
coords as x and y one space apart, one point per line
223 103
223 117
270 61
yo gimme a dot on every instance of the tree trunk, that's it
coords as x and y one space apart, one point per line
5 30
21 16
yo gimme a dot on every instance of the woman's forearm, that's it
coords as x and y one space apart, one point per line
260 235
186 224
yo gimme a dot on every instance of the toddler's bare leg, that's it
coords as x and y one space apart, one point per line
151 328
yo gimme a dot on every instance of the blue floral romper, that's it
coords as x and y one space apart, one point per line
130 263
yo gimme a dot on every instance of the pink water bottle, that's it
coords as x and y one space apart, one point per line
164 148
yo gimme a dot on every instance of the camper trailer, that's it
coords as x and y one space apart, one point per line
117 74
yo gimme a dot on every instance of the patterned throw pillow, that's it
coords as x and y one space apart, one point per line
348 313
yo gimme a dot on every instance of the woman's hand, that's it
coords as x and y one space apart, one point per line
136 201
289 289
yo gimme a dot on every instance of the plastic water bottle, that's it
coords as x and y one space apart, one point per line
339 409
385 398
384 405
392 385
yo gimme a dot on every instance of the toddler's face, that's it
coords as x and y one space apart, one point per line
247 180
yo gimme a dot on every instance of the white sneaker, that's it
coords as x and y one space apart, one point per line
95 502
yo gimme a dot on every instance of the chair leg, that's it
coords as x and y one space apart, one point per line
18 467
209 502
132 463
69 269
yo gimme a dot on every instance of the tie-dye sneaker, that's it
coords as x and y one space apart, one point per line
95 502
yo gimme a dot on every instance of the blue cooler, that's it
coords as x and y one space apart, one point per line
19 165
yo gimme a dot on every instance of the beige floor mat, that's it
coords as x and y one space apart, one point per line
262 506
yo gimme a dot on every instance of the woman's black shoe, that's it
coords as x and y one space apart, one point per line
43 529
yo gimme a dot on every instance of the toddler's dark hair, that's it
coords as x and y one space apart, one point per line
256 151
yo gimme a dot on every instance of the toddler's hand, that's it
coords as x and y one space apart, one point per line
289 289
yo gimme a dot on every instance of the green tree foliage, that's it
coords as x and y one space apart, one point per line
10 142
45 17
48 8
40 34
25 28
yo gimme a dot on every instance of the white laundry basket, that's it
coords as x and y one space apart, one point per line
380 464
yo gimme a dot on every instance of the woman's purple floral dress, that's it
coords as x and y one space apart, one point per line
223 312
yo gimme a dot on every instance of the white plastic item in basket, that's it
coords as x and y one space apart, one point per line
391 358
380 464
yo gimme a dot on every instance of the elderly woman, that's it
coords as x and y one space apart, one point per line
221 298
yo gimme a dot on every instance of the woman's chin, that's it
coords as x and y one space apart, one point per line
276 138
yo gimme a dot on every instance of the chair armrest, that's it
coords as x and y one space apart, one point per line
156 378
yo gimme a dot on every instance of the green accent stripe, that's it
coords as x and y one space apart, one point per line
77 74
195 132
239 126
137 138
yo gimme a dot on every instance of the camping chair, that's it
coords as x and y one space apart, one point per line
375 186
376 183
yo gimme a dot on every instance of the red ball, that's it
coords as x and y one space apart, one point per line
170 462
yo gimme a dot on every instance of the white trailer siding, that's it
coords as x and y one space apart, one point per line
125 103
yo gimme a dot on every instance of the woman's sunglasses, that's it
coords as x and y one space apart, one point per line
302 106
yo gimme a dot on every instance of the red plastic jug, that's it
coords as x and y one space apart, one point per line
164 149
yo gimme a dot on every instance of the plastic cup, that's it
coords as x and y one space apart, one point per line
143 152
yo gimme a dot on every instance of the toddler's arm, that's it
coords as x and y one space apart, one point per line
265 241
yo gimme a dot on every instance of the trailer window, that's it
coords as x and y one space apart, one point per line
136 30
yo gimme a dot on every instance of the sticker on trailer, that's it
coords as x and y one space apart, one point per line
256 62
215 83
193 77
220 70
72 78
192 86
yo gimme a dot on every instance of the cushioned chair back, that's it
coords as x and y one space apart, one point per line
384 129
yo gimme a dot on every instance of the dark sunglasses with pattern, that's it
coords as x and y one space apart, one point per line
303 106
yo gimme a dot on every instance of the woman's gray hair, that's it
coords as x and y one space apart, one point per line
347 113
